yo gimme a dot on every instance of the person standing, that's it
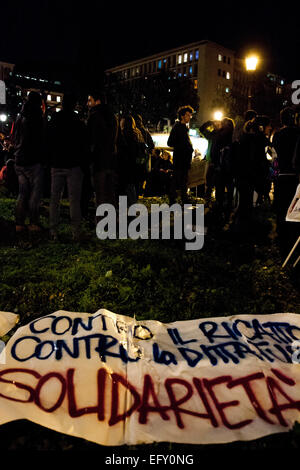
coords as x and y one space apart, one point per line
250 170
222 159
28 142
67 153
145 167
101 135
130 147
180 141
284 143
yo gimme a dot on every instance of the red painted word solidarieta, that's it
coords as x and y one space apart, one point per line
177 399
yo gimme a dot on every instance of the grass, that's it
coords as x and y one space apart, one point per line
148 279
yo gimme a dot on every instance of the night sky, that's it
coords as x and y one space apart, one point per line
63 35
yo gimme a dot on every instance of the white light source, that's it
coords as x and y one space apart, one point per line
251 62
218 115
3 117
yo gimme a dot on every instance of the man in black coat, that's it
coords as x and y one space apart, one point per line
102 130
180 141
28 144
284 142
67 153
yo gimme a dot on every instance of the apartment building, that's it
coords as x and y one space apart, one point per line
208 65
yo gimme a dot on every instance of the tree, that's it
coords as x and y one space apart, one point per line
154 97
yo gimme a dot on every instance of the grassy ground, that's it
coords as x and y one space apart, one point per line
147 279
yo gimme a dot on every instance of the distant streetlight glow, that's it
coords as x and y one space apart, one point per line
218 115
251 63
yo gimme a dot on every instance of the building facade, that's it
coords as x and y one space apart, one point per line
208 65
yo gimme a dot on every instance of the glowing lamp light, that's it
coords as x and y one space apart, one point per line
3 117
251 62
218 115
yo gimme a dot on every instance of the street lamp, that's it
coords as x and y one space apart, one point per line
251 65
218 115
3 119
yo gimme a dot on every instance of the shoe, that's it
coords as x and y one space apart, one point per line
34 228
53 236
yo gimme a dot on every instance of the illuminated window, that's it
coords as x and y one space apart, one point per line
58 99
179 59
227 90
191 56
185 57
48 97
191 69
228 76
159 64
195 84
219 57
197 54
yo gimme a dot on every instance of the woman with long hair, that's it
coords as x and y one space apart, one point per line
130 148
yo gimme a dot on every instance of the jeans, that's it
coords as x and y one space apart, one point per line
30 180
73 177
105 185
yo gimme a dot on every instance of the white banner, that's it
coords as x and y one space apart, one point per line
113 380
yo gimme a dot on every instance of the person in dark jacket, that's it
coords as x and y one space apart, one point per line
149 146
221 158
67 152
284 143
165 172
28 142
209 130
180 141
251 170
130 147
101 134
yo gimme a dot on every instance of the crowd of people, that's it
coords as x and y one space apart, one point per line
248 164
108 155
